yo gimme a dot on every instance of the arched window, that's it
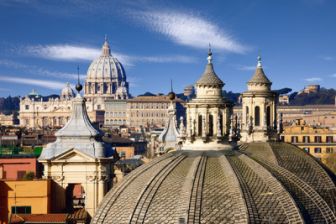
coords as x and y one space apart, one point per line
257 116
200 125
210 125
247 114
268 116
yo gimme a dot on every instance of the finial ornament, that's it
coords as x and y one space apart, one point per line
106 38
259 62
171 94
78 86
209 55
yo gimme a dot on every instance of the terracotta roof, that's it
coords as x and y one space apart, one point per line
39 218
209 77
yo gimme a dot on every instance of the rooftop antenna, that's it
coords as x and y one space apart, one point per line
171 85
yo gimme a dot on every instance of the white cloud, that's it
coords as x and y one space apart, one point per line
313 79
328 58
38 70
34 82
65 52
246 67
333 75
189 30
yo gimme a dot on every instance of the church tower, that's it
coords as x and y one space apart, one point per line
78 159
208 114
258 108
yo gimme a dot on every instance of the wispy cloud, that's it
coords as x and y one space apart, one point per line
32 69
66 52
328 58
189 30
34 82
333 75
246 67
63 52
313 79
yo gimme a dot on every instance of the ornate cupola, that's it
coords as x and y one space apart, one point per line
209 85
209 112
258 108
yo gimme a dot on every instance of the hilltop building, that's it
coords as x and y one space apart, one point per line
209 180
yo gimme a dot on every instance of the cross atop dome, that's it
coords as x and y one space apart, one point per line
106 48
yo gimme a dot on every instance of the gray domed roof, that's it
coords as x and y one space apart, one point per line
106 67
259 183
209 77
259 76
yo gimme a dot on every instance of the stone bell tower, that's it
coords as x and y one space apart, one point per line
208 114
258 108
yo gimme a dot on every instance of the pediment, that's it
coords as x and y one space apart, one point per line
73 155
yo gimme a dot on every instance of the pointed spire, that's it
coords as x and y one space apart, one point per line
259 65
78 86
106 47
209 55
171 94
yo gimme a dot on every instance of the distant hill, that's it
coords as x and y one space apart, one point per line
324 96
9 104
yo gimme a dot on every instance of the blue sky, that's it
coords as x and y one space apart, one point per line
42 42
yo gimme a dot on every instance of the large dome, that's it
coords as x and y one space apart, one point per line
106 67
257 183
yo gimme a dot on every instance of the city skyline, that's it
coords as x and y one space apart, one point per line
42 43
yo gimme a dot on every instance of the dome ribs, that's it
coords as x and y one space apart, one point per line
306 168
313 207
112 196
185 194
171 202
196 193
263 205
286 202
222 200
148 193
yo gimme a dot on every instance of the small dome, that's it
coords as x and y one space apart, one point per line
209 77
106 67
67 92
260 183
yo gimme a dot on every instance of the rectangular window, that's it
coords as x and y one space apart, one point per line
27 107
329 139
21 209
306 149
294 139
306 139
317 150
329 150
20 174
318 139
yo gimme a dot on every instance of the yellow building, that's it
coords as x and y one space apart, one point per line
320 142
24 197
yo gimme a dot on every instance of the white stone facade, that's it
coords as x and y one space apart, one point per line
258 109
